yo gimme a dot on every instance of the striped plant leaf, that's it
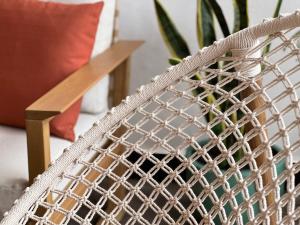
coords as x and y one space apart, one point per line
205 24
277 9
174 61
172 38
206 36
210 99
220 17
275 14
241 18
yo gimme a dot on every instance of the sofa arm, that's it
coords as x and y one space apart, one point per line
63 95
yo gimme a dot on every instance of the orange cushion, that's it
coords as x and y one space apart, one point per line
41 43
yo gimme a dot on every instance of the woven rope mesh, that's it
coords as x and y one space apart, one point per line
165 164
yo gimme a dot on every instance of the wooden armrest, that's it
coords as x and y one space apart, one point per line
67 92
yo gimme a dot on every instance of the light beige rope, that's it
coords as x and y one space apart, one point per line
167 115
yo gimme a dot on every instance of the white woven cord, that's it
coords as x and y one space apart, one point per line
167 114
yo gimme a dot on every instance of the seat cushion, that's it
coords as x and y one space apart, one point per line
96 100
13 160
14 150
41 44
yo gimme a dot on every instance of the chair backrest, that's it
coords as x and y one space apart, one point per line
237 168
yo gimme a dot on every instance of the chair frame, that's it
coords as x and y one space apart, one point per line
243 40
115 60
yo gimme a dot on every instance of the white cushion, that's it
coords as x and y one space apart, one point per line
13 159
96 100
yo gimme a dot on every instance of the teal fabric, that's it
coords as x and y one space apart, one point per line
210 177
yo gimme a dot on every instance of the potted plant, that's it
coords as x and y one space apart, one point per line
207 11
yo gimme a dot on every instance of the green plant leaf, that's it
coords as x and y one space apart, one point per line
174 61
241 18
210 99
172 38
277 9
220 17
205 24
275 14
206 36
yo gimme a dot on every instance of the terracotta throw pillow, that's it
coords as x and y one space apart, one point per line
41 43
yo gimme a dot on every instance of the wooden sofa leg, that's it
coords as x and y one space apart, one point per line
121 79
38 146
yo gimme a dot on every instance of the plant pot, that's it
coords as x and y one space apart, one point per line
232 181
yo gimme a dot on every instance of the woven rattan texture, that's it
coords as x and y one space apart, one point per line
121 180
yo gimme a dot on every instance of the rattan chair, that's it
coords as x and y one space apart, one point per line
86 185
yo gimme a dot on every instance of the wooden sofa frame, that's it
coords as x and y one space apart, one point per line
114 61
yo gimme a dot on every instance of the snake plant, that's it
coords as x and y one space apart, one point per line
207 12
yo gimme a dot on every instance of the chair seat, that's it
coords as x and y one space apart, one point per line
13 160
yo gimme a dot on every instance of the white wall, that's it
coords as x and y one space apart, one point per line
138 21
